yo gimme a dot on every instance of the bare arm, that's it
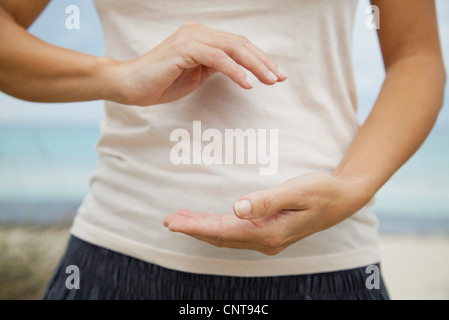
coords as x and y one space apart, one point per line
34 70
24 12
410 98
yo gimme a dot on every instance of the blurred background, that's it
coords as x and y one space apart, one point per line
47 154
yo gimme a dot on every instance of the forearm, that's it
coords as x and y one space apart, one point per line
402 117
34 70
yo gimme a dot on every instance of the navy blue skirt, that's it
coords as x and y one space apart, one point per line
90 272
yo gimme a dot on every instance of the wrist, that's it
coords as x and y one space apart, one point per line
109 77
362 188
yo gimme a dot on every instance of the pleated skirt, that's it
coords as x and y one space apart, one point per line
90 272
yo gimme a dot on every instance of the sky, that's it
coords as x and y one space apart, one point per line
51 27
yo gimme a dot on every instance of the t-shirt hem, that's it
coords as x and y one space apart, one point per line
226 267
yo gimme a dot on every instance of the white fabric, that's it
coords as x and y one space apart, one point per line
314 112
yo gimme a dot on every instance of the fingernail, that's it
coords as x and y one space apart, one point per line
272 76
243 208
282 72
249 82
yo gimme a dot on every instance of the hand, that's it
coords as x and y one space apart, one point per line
270 220
178 65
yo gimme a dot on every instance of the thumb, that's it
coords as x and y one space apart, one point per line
262 203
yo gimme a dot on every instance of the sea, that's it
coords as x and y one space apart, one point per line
45 173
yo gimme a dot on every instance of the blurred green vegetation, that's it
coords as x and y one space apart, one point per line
28 257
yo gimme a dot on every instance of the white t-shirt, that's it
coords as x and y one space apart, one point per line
305 124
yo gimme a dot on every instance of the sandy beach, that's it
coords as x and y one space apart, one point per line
414 266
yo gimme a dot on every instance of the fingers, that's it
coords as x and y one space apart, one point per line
227 231
230 53
244 52
217 226
251 62
277 70
217 59
266 202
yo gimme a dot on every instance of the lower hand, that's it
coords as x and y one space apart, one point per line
270 220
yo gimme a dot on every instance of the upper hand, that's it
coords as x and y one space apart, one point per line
183 61
270 220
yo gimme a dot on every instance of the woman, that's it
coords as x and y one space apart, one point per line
195 111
